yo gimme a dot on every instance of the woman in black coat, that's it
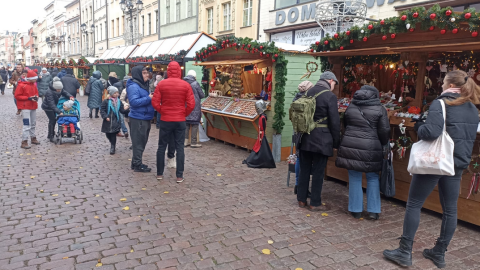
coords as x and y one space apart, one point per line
367 129
110 111
49 105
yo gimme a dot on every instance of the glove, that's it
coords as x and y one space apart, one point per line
418 125
31 98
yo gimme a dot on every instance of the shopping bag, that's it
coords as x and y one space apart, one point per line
81 91
387 176
433 157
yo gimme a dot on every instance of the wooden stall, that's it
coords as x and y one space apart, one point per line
425 56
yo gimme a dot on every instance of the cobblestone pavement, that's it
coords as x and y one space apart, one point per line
76 207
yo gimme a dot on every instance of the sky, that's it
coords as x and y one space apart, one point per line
17 15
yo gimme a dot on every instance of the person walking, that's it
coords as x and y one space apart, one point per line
193 119
50 102
111 110
460 94
70 83
121 86
367 130
141 113
317 147
55 72
4 77
174 101
14 78
95 96
43 82
62 73
26 95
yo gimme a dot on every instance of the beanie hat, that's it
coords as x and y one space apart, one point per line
328 75
193 73
57 84
31 75
126 78
68 104
44 69
305 86
112 90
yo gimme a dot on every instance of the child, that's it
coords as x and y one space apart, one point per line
67 121
26 95
110 111
23 77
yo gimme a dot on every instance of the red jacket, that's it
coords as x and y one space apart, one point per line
173 97
23 92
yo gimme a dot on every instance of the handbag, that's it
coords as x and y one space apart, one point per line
387 176
433 157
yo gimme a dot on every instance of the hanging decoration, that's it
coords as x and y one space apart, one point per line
311 67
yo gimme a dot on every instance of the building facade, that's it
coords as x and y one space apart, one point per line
177 17
72 22
87 42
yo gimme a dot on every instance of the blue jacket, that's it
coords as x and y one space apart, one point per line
140 103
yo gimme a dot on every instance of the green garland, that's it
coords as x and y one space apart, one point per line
263 49
205 80
435 19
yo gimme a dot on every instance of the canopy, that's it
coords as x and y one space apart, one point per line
233 62
118 52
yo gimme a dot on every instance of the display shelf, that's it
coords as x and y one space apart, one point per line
243 108
216 104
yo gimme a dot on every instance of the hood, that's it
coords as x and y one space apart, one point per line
174 71
69 72
137 77
63 70
113 80
97 74
190 79
367 92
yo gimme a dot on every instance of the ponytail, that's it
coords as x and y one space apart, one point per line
470 91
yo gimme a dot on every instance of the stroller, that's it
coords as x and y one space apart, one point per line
77 136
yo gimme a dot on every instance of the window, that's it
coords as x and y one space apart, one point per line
189 8
167 11
96 32
226 16
156 21
177 10
286 3
143 25
210 20
123 24
78 46
101 32
149 23
112 34
78 27
118 27
247 12
73 48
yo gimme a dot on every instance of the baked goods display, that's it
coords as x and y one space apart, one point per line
245 108
216 103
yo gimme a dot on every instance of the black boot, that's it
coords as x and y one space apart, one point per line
112 149
401 255
90 114
51 132
96 113
295 190
437 254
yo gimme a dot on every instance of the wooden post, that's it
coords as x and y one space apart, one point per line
337 69
421 58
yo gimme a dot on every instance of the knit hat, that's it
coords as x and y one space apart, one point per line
31 75
328 75
126 78
57 84
305 86
44 69
193 73
68 104
112 90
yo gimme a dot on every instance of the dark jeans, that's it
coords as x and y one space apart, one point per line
420 188
52 121
169 130
112 137
311 164
2 88
139 132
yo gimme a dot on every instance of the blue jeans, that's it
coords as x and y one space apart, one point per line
355 200
158 120
122 121
297 170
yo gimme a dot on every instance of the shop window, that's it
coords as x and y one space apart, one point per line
189 8
226 16
149 23
285 3
210 20
167 11
247 12
178 8
156 21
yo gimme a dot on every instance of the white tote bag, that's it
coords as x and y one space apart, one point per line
433 157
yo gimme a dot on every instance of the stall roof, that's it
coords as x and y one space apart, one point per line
233 62
118 52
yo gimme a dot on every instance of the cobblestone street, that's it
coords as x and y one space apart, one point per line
77 207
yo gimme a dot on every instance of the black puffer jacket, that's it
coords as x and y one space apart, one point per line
323 140
462 122
114 125
361 147
70 84
51 100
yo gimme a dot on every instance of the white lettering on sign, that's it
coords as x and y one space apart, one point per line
308 36
308 13
285 37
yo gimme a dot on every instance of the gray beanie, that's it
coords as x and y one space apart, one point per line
68 104
328 75
126 78
57 84
112 90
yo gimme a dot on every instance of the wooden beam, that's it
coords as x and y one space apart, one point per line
255 125
208 120
420 83
234 128
367 51
225 122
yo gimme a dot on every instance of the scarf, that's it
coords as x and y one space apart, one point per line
114 105
452 90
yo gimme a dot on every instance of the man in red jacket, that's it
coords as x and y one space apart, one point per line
26 95
174 101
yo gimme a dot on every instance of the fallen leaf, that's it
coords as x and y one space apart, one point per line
97 195
81 167
166 192
129 159
9 165
21 154
65 258
41 190
361 218
27 185
308 215
96 217
208 174
123 199
323 203
219 174
298 269
7 152
38 216
32 176
98 264
55 195
144 188
324 215
313 231
126 208
270 242
131 250
67 202
28 154
33 158
266 251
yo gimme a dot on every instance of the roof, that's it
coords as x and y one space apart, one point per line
119 52
232 62
291 47
72 3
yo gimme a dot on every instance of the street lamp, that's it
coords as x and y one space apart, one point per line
85 31
127 7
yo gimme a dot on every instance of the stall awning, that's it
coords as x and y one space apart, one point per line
234 62
119 52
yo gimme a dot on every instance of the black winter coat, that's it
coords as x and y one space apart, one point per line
462 122
323 140
194 117
43 84
4 75
361 147
51 98
70 84
119 86
114 125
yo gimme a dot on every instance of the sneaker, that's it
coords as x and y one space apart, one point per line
196 145
142 165
142 169
171 163
180 180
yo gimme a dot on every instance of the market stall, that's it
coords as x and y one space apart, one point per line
113 60
236 73
406 58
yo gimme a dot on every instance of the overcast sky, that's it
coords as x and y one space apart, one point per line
17 15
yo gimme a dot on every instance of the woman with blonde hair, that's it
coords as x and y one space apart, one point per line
460 94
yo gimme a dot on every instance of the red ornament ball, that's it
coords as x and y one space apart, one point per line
273 60
433 16
335 35
351 41
454 31
370 27
415 15
384 37
393 36
443 31
341 48
347 33
474 34
448 12
261 47
365 39
326 42
468 15
228 40
412 29
249 45
276 55
382 22
268 55
317 43
311 50
431 28
404 18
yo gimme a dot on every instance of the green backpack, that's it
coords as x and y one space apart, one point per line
302 112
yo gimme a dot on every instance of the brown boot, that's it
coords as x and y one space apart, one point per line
34 140
25 145
320 208
19 112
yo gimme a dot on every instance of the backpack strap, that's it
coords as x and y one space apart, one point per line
318 122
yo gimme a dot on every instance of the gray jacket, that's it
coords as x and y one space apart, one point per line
194 117
43 84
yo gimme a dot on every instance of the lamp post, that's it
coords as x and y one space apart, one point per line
127 7
83 27
70 44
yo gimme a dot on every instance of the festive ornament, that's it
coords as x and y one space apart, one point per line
431 28
454 31
249 45
384 37
370 26
273 60
393 36
468 15
448 12
317 43
311 50
365 39
362 31
347 33
276 55
261 47
382 22
443 31
326 42
452 19
341 48
404 18
474 34
408 26
415 15
335 35
351 41
412 29
433 16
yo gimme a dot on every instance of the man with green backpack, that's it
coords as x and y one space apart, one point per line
315 116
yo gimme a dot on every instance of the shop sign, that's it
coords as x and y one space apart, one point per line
285 37
371 3
306 37
292 15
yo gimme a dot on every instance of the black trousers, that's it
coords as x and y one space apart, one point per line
139 132
52 121
2 88
112 137
311 164
169 130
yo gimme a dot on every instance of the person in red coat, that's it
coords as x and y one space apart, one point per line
26 95
174 101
